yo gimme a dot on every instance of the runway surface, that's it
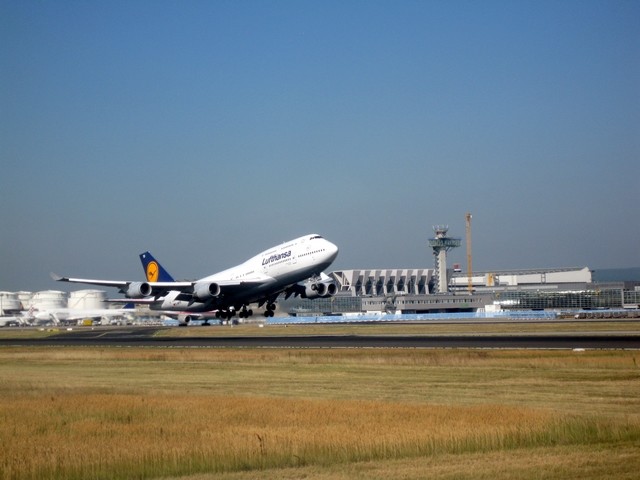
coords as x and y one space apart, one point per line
144 337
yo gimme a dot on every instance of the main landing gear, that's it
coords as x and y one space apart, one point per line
225 316
243 312
269 312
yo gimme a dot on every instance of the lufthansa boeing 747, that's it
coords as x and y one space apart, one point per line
293 268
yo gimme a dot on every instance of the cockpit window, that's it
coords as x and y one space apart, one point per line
315 236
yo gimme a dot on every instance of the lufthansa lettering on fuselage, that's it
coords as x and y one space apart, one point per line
275 258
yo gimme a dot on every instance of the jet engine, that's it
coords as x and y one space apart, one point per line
320 290
138 290
206 291
315 290
332 289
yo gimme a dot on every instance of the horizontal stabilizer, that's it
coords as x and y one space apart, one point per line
132 301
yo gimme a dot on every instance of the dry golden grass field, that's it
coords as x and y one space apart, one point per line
108 413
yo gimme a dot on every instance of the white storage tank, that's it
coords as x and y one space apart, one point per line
25 299
9 303
49 299
88 299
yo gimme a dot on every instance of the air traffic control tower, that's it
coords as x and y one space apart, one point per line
441 244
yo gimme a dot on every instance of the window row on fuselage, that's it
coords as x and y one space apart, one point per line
313 252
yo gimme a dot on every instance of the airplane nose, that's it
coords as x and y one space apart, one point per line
333 251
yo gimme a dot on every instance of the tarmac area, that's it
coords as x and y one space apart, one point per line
159 336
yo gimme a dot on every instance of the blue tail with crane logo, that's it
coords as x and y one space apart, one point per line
154 272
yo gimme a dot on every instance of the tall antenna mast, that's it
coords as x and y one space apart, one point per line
469 267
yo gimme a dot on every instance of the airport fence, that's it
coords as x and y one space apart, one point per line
416 317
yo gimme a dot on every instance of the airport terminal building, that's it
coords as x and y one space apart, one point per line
414 291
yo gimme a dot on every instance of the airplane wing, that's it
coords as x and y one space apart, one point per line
143 291
104 283
155 288
82 314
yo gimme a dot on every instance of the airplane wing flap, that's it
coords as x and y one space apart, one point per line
159 286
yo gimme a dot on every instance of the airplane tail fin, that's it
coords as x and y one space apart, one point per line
154 272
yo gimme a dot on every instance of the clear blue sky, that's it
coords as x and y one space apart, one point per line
206 131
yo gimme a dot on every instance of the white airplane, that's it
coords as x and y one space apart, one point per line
57 316
292 268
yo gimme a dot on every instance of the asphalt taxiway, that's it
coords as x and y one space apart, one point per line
145 337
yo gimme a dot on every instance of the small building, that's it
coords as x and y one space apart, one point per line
535 278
